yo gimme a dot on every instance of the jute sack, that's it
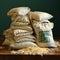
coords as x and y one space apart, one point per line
19 11
26 36
44 34
8 41
23 34
20 32
28 28
8 37
22 45
19 39
23 19
7 32
39 16
43 26
19 24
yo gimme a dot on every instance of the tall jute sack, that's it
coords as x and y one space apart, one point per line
44 34
39 16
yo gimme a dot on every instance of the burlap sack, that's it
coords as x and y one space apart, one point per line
43 26
20 39
44 34
8 41
19 24
23 19
39 16
22 45
26 36
20 32
18 11
28 28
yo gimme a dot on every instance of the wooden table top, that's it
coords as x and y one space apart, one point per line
6 50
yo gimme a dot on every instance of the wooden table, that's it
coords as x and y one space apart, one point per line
6 55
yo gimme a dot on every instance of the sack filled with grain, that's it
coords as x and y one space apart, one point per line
44 34
39 16
22 45
8 37
25 38
19 11
8 41
28 28
20 32
23 19
19 24
43 26
19 39
7 32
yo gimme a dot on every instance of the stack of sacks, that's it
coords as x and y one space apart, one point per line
20 31
43 28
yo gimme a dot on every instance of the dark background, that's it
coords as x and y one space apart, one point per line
50 6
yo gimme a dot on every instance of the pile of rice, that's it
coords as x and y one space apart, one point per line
32 50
